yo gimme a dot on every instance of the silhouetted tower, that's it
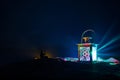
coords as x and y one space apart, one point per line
42 54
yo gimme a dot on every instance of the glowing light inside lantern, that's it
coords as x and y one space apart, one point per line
94 53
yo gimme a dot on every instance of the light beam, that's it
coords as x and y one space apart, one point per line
106 34
110 42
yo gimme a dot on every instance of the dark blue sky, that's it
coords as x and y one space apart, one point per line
56 24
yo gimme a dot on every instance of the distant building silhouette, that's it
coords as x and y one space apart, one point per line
43 54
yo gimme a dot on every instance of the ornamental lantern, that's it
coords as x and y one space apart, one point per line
87 49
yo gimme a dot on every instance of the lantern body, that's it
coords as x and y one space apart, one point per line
87 52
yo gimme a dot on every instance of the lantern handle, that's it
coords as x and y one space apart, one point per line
86 32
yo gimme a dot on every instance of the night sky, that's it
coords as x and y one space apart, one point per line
57 25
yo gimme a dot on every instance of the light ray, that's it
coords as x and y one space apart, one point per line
106 34
110 42
112 47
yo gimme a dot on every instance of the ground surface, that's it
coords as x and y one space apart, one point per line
54 69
